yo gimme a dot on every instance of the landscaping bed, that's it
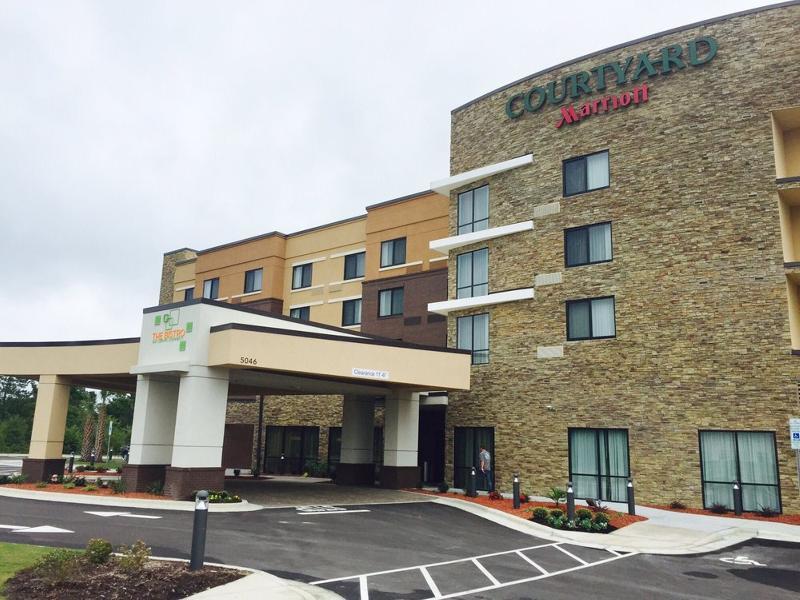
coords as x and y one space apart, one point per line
616 520
82 491
782 518
63 574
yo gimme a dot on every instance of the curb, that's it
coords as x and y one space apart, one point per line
175 505
611 541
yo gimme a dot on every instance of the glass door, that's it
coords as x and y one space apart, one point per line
468 442
598 463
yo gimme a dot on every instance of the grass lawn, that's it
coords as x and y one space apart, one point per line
14 557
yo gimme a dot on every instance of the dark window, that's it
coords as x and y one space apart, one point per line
587 245
390 302
301 276
354 265
252 280
393 252
188 294
586 173
598 463
472 274
303 313
592 318
288 449
473 210
211 288
749 457
467 447
473 334
351 312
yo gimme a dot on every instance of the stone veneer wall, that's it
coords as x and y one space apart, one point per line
698 275
168 273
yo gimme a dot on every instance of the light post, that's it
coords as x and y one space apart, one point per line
737 498
110 429
631 499
472 489
199 530
570 502
515 488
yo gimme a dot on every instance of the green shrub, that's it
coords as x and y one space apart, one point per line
41 484
316 468
557 513
79 481
583 513
80 469
677 505
5 479
766 511
91 488
556 495
98 551
117 486
133 558
601 517
599 527
718 508
69 485
585 523
444 487
156 487
555 522
540 514
18 478
58 565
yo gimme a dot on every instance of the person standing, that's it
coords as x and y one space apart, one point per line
486 468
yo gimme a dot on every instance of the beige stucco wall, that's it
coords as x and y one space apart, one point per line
95 359
324 246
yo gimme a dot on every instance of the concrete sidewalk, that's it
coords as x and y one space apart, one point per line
261 585
665 532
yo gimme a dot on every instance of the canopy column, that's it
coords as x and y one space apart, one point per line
45 454
357 463
401 441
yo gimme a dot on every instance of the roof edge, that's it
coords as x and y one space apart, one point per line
109 342
652 36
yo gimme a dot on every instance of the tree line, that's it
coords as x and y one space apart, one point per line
88 414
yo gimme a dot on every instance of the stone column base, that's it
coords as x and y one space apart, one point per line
180 482
355 474
41 469
399 477
138 478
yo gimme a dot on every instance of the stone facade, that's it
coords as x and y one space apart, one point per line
702 332
171 259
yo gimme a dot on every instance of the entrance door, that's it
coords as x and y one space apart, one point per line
598 463
431 443
289 448
468 442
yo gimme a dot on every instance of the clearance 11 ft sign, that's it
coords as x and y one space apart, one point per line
668 60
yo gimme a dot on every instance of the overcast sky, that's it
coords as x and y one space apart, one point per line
128 129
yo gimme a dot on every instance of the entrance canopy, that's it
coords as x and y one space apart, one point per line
265 354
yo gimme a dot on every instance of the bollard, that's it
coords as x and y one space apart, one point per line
631 501
737 498
570 502
283 464
516 490
92 458
71 462
472 489
199 530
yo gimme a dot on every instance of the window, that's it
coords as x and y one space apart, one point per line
587 245
301 276
472 275
473 334
473 210
303 313
188 294
351 312
390 302
393 252
468 442
591 319
211 288
252 280
354 266
586 173
598 463
748 457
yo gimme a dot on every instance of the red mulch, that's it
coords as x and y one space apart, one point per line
59 487
617 519
783 518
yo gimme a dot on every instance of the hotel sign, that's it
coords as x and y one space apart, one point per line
668 60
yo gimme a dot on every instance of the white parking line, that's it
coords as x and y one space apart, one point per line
571 555
483 570
475 560
431 583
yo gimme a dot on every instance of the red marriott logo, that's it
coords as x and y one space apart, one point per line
570 114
